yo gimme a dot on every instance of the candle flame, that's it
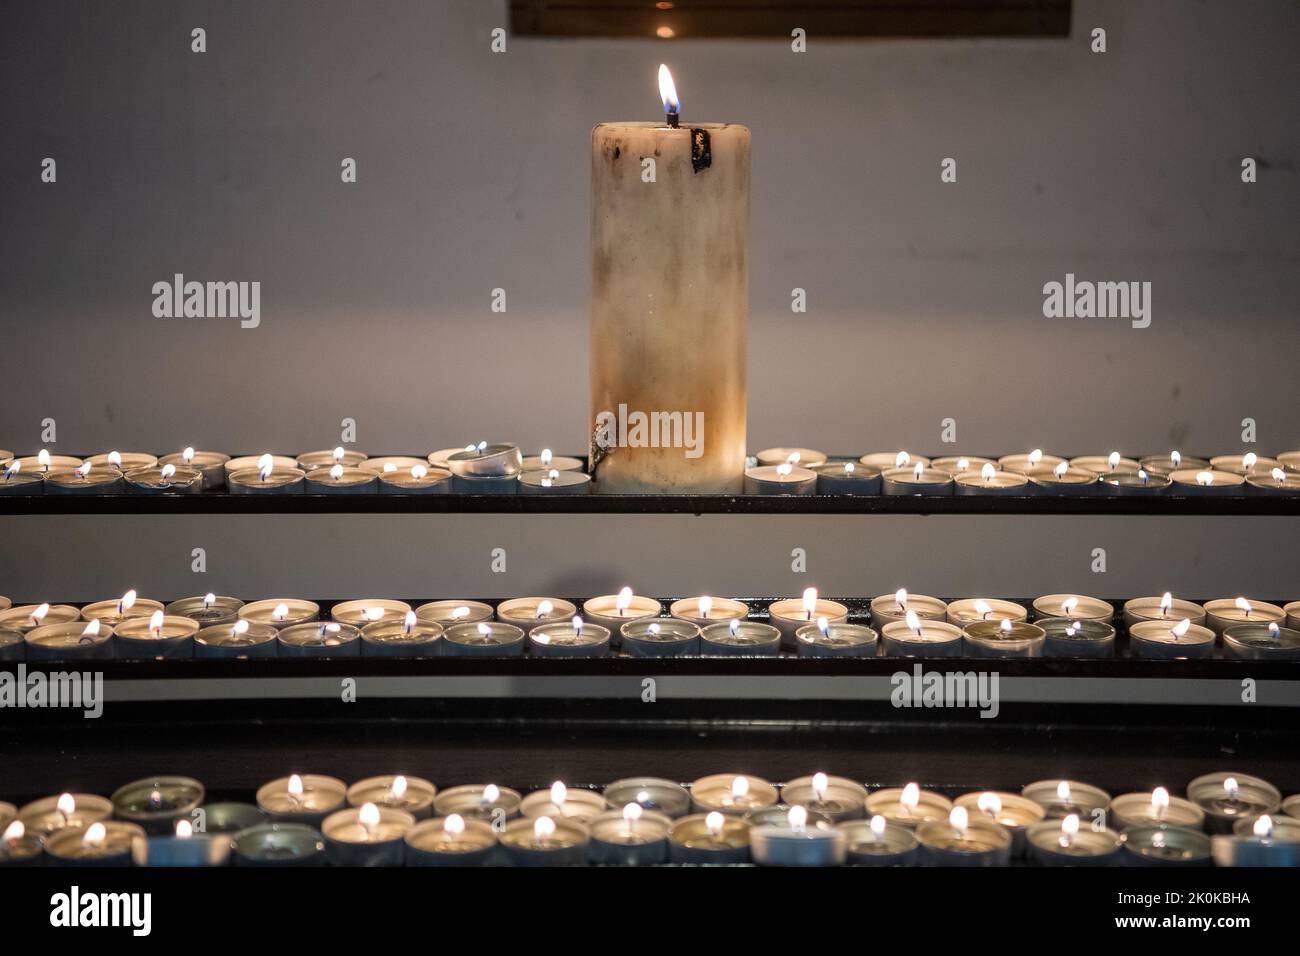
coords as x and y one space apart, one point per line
91 629
878 825
84 469
209 599
1231 787
914 622
1263 827
1166 602
408 623
15 466
241 627
1113 460
14 832
418 472
910 797
653 629
900 599
784 469
339 453
1249 461
739 787
459 612
668 90
543 828
902 460
577 624
454 824
295 787
1204 478
810 600
373 614
1278 475
1035 456
1069 829
483 629
491 794
1060 470
1005 626
280 612
1063 791
797 818
632 812
1159 800
156 622
1273 630
987 472
990 803
66 804
917 470
714 823
624 600
1068 605
849 468
823 624
43 459
820 782
265 465
187 455
184 829
39 613
1176 458
734 626
368 816
559 794
706 606
397 789
1243 605
96 833
127 601
959 820
546 457
983 608
793 458
114 459
1181 628
963 464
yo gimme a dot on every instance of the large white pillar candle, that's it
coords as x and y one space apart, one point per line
669 309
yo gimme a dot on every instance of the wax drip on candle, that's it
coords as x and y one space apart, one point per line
543 830
1159 802
1069 830
820 784
184 830
38 614
126 602
368 817
706 605
900 599
66 805
156 623
623 602
1243 605
810 602
989 804
95 836
797 818
914 622
631 814
910 799
668 93
89 632
295 789
983 608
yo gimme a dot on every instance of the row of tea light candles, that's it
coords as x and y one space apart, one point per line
500 468
902 625
1230 818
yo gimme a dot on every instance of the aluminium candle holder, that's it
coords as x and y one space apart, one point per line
531 612
709 838
231 642
1192 483
397 639
13 645
732 793
121 462
1278 483
960 464
1274 841
157 803
280 613
21 850
660 637
281 481
79 482
838 640
207 612
1153 609
1061 798
279 845
369 611
1228 796
21 483
1071 637
1225 612
790 614
703 611
1161 640
649 793
45 816
103 843
797 844
1030 461
574 804
1073 606
1153 808
113 612
319 795
1261 642
485 461
69 642
1064 482
545 841
807 457
1015 813
1165 845
554 482
164 480
487 802
612 611
569 639
416 480
1140 485
740 639
881 844
254 462
414 795
927 639
778 814
619 838
838 798
783 479
27 617
969 610
916 482
546 461
227 818
1001 639
484 484
908 806
1054 843
979 842
137 640
351 839
1293 615
209 464
452 612
888 608
340 480
847 478
445 841
884 460
483 639
188 850
990 483
319 639
328 457
34 465
1166 465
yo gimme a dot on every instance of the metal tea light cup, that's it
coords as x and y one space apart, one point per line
450 841
790 614
908 806
649 793
969 610
847 478
797 842
660 637
27 617
319 639
238 640
13 645
415 480
839 798
485 461
779 815
81 482
1002 639
1077 607
740 639
103 843
614 610
881 844
1222 613
1200 483
547 461
964 840
569 639
164 480
366 836
889 608
1063 482
484 639
452 612
923 639
182 848
711 838
531 612
226 818
278 844
734 793
1126 484
280 613
70 642
563 803
328 457
60 811
157 803
21 483
122 462
138 639
1030 461
704 610
808 457
281 481
1293 615
554 482
990 481
1072 841
916 482
484 484
1070 637
399 639
545 841
1163 640
837 640
207 610
1261 642
1164 845
1228 796
414 795
624 837
473 801
1155 609
209 464
1009 810
1265 840
1061 798
302 798
1154 808
369 611
114 611
785 479
340 480
20 846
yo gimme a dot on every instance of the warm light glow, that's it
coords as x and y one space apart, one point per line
918 470
1063 791
459 612
664 32
849 468
156 622
336 472
1263 827
819 784
483 629
187 455
706 606
1069 829
559 794
983 608
878 825
1231 787
632 812
734 626
902 460
491 794
1159 801
184 830
714 823
914 622
990 803
1249 461
84 469
624 600
668 91
368 816
91 629
1204 478
824 624
910 797
784 470
739 788
797 818
809 601
14 832
1278 475
295 787
15 466
1035 456
1068 605
1176 458
794 458
127 601
43 459
39 613
959 820
454 824
1274 631
418 472
1181 628
209 599
1005 626
265 465
280 612
987 472
963 464
900 599
1166 602
543 828
546 457
373 614
114 459
96 833
241 627
66 804
577 624
1243 605
408 623
397 789
1060 470
1113 460
654 629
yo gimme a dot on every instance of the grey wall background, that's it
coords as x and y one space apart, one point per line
925 299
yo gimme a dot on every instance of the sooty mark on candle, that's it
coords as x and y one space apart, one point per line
618 151
701 149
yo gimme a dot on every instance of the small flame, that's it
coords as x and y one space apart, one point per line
1278 475
990 803
1068 605
823 624
959 820
241 627
339 453
734 626
336 472
1069 829
714 823
784 469
797 818
14 832
127 601
114 459
1263 827
368 817
1063 791
632 812
91 629
577 624
265 465
209 599
794 458
43 459
706 606
295 787
491 794
459 612
987 472
546 457
483 629
454 824
878 825
66 804
900 599
408 624
983 608
1249 461
1035 456
820 782
654 629
187 455
418 472
280 612
559 794
84 470
1181 628
156 622
1166 603
624 601
1231 787
15 466
849 468
913 622
1243 605
391 468
1274 631
38 615
373 614
397 789
1176 458
809 601
543 828
96 833
1060 470
184 830
910 797
918 470
1204 478
1005 626
902 460
1113 460
668 91
1159 801
963 464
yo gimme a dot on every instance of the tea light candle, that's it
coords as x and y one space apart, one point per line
368 835
416 480
207 610
531 612
73 641
806 457
784 479
280 612
914 637
1075 606
369 611
483 639
660 637
824 639
1163 608
547 461
1031 461
1105 464
157 803
103 843
113 612
278 844
452 612
731 793
13 646
793 613
631 836
1276 482
414 795
1124 484
963 840
409 637
1062 480
916 481
230 817
554 482
160 637
450 841
797 842
1290 806
1199 483
394 464
1169 641
908 806
84 481
1266 840
302 798
989 481
612 611
438 459
562 802
713 837
1009 810
839 798
573 638
27 617
340 480
649 793
15 481
1061 798
738 638
705 610
319 639
122 462
1003 638
312 460
545 841
1157 807
66 810
238 640
266 479
164 480
959 464
1293 615
1064 842
17 846
1071 637
1165 465
970 610
211 465
42 463
877 842
1165 845
847 478
894 607
1224 612
182 847
1261 642
1227 797
1247 464
887 460
473 801
486 460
